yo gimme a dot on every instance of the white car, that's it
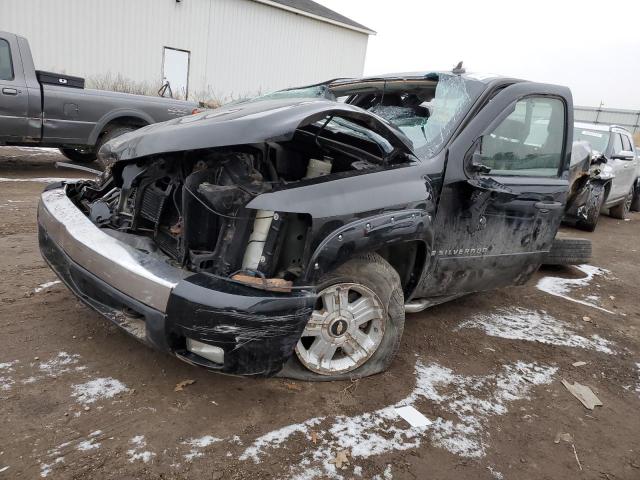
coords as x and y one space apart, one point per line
616 144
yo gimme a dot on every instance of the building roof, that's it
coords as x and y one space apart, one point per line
312 9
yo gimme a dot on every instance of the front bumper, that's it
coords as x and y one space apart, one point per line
163 305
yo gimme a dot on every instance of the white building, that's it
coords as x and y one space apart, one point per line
210 48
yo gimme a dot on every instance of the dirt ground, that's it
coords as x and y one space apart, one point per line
80 399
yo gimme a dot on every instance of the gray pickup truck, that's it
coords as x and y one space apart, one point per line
53 110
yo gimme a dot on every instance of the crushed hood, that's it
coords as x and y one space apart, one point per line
241 124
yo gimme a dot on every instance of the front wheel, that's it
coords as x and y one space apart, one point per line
356 326
589 213
79 155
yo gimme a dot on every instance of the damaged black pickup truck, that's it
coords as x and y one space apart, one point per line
290 234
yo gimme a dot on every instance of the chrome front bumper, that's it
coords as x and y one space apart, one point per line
132 272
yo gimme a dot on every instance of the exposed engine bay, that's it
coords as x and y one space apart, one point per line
191 206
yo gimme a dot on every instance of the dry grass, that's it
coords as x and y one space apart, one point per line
118 83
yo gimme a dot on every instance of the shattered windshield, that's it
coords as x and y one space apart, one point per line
426 109
430 123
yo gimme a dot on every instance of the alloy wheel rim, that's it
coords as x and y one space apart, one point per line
344 331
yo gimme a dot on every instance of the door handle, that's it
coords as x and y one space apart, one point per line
9 91
546 207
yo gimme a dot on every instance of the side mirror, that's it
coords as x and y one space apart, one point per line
475 164
624 155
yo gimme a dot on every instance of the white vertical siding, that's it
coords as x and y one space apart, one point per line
238 47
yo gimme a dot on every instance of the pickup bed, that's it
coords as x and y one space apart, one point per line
52 110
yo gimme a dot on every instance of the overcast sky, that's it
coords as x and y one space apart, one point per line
592 47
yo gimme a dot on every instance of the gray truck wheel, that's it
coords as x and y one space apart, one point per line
569 251
79 155
357 324
621 210
635 203
109 135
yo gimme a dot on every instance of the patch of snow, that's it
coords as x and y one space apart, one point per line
357 471
39 179
561 287
638 384
137 453
495 474
386 475
534 326
4 469
9 365
470 400
86 445
6 381
198 444
44 286
97 389
59 364
45 468
39 150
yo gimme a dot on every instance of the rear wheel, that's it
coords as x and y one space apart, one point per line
356 326
109 135
569 251
621 210
79 155
635 203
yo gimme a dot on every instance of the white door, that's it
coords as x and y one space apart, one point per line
175 70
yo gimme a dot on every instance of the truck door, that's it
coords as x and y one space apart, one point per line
13 94
504 191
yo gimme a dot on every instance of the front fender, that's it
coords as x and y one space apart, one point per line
368 234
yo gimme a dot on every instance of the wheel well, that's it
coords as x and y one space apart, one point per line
408 259
135 122
607 189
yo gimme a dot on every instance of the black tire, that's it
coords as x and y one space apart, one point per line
79 155
569 251
592 208
635 203
375 273
109 135
621 210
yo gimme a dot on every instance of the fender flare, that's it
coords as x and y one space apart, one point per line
369 234
114 115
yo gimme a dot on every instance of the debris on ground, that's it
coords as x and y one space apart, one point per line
565 437
341 460
586 319
180 385
583 393
575 454
293 386
314 437
413 416
579 364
